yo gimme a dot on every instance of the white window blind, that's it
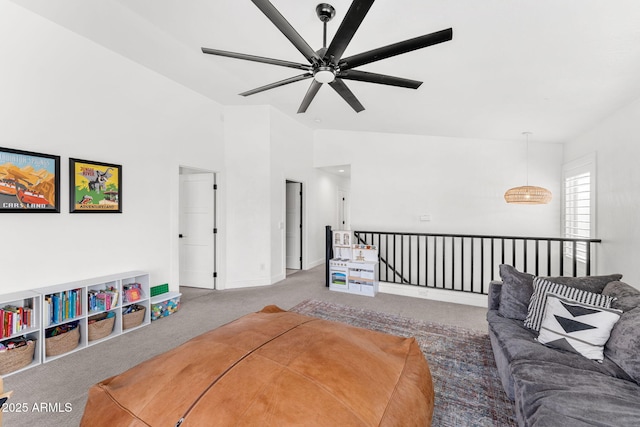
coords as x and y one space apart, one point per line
577 212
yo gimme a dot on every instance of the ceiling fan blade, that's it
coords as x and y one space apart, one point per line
396 49
311 93
256 58
342 89
348 28
278 84
382 79
285 28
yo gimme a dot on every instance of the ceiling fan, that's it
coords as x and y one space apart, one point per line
327 65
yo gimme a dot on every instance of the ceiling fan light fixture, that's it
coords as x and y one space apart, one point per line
324 75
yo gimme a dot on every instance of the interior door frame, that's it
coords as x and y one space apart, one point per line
344 209
190 169
301 219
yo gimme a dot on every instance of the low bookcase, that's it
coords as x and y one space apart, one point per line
20 317
70 308
81 302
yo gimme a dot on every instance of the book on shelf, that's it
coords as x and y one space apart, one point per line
62 306
15 319
103 299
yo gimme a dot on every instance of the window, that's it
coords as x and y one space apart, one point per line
579 204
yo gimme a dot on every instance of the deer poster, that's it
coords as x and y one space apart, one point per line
95 187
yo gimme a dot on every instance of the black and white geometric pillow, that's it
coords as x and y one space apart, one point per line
577 327
543 287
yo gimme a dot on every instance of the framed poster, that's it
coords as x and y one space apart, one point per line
94 187
29 182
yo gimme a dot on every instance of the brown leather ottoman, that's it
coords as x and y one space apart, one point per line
272 368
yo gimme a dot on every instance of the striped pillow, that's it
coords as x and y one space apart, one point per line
538 302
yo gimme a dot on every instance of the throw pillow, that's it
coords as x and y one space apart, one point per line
595 284
542 287
627 297
517 288
516 292
623 346
576 327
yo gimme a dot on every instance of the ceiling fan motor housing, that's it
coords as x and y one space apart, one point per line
325 12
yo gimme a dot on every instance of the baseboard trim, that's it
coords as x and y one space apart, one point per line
315 263
278 278
238 284
434 294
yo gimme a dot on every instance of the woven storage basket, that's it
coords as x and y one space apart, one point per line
16 358
102 327
62 343
131 320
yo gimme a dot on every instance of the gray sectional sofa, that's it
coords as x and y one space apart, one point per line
553 387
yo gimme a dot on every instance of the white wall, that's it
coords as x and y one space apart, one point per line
292 159
248 196
291 151
325 206
260 158
459 182
615 142
64 95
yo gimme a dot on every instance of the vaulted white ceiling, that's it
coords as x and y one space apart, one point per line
552 67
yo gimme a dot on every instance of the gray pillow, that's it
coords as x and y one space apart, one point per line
517 289
593 284
627 297
516 292
623 346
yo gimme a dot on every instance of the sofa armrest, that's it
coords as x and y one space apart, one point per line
495 287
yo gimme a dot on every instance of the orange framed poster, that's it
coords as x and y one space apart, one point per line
29 182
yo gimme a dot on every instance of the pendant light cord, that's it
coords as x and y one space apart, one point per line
527 154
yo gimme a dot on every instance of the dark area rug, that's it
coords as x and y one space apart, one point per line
468 391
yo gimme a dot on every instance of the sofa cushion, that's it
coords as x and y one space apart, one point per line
517 289
546 389
516 343
576 327
493 297
627 297
543 287
516 292
623 346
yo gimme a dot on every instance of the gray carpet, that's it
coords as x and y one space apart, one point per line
54 394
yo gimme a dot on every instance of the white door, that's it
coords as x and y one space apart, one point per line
197 223
294 225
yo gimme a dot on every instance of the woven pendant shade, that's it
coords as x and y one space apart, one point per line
528 195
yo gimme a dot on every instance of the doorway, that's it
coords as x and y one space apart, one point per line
293 226
344 209
197 228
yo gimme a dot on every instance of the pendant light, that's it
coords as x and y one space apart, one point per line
528 194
